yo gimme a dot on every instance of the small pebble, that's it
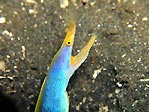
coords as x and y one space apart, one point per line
2 20
31 1
96 72
119 3
117 91
63 3
32 11
2 66
5 32
119 84
41 1
92 3
130 25
144 19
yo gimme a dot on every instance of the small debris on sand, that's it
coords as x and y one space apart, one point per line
2 66
2 20
63 3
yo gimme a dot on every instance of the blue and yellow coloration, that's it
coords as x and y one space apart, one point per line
53 96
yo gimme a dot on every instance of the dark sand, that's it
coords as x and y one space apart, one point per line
115 76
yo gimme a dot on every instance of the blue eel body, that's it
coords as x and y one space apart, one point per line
53 96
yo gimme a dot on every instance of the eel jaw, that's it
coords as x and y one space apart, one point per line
77 60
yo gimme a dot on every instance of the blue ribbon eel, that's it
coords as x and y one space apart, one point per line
53 96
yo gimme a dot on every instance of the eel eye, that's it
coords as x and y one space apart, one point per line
68 43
